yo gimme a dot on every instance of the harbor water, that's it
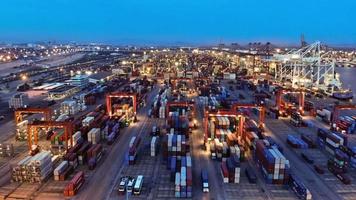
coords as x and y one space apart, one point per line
348 78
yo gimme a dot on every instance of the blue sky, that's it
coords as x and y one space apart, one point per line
178 21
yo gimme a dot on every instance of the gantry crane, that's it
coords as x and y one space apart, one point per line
20 111
223 113
180 104
338 108
261 109
32 130
281 92
174 81
120 95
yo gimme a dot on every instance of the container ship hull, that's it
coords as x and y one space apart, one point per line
343 95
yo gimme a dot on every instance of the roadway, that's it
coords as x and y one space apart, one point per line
202 160
101 184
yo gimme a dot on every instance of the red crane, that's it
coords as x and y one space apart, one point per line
261 109
175 80
338 108
184 104
281 92
32 130
223 113
20 111
120 95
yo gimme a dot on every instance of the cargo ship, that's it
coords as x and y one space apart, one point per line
335 89
343 95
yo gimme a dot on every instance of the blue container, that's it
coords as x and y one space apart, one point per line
184 161
173 164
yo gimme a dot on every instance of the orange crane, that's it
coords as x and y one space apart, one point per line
261 109
120 95
32 130
281 92
223 113
180 104
20 111
175 80
338 108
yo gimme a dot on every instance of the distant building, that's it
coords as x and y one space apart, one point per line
79 81
100 77
19 101
63 92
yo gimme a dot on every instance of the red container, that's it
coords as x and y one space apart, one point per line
189 176
224 170
74 185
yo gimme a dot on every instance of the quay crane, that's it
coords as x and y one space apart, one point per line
307 67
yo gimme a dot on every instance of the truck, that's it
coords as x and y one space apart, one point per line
205 180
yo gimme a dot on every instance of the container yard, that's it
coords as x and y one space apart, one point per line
209 132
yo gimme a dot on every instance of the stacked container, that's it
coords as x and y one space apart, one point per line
94 154
69 107
87 121
250 138
273 165
33 169
230 170
330 141
154 146
74 185
6 150
76 137
94 136
179 162
179 123
296 142
133 149
82 153
21 130
162 112
346 124
61 169
299 188
307 139
113 131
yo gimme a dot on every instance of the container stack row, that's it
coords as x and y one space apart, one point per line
154 146
7 150
133 149
273 165
71 189
330 141
180 123
94 136
346 124
296 142
230 170
62 171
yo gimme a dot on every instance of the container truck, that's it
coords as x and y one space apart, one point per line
205 180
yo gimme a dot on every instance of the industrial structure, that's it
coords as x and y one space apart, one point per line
307 67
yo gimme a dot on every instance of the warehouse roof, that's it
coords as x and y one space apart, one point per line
101 75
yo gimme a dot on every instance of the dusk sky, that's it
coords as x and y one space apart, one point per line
178 21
